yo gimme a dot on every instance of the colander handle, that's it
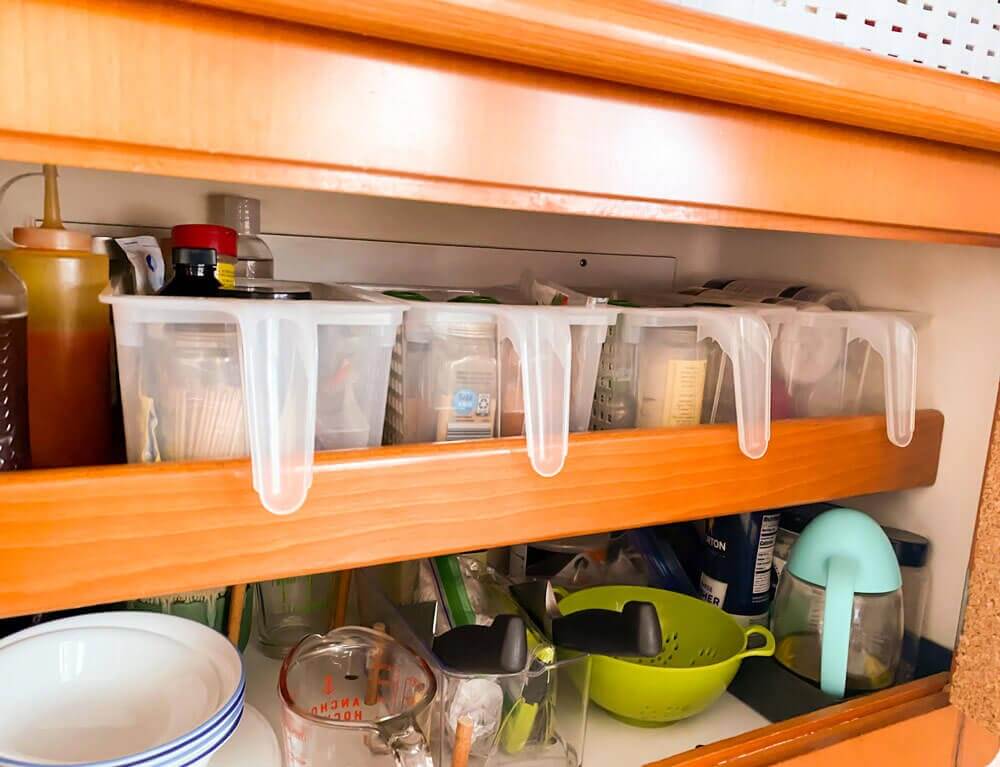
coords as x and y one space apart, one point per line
766 650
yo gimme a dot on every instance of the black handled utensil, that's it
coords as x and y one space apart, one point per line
633 632
500 648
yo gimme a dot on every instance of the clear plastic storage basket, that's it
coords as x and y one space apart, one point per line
837 363
223 378
465 367
589 318
680 366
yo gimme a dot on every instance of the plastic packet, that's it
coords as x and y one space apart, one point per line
144 254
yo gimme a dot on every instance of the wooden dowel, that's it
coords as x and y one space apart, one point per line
237 598
340 606
374 672
463 742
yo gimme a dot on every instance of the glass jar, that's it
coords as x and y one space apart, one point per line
254 258
291 608
13 372
911 553
876 633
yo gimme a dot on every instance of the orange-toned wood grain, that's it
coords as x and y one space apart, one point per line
976 689
660 45
72 537
804 736
171 88
977 746
928 740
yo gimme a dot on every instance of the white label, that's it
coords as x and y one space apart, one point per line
677 401
712 590
468 409
765 553
147 262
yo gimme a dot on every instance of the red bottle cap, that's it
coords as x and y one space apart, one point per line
221 239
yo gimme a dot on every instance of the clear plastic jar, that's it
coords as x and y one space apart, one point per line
465 381
911 553
671 383
254 258
193 406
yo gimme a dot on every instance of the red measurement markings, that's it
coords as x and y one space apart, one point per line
339 709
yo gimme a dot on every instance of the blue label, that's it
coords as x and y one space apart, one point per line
463 402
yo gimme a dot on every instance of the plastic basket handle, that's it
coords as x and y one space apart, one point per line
746 341
838 610
280 359
895 340
542 342
766 650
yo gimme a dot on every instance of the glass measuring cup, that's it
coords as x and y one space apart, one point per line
351 698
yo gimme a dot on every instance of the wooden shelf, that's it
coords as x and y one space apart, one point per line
663 46
829 727
279 103
72 537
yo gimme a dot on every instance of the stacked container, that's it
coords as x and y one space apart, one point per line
468 367
833 363
665 365
223 378
589 317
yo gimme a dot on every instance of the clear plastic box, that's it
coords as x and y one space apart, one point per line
466 368
589 317
222 378
677 366
544 708
837 363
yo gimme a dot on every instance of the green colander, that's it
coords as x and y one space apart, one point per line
702 651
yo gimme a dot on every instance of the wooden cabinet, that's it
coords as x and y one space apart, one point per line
633 110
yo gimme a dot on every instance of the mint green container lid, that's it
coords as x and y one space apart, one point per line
852 535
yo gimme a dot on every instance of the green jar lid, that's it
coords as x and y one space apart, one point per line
622 302
408 295
472 298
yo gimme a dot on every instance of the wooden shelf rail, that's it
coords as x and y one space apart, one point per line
827 728
73 537
292 105
669 48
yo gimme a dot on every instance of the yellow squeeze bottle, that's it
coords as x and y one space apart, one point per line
69 387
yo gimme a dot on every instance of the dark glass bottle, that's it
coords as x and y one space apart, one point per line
194 274
14 452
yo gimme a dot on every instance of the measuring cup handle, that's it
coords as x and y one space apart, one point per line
409 749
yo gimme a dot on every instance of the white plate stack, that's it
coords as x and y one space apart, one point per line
118 689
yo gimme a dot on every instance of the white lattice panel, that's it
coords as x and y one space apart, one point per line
960 36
